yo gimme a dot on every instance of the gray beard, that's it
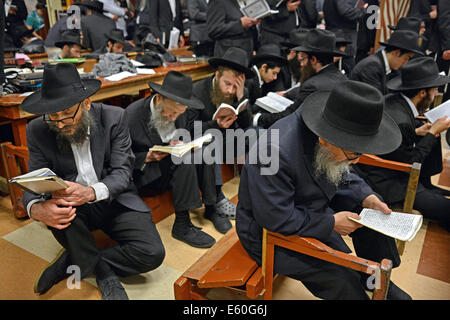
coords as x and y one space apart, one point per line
324 164
160 123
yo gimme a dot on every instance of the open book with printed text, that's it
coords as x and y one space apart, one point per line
179 150
258 9
273 102
438 112
225 110
39 181
398 225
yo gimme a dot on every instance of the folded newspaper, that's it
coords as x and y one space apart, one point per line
398 225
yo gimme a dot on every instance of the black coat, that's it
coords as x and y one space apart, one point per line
371 70
197 14
342 14
143 138
162 21
94 27
293 201
111 152
281 23
390 184
326 79
225 28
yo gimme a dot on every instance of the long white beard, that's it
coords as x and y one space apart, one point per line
324 164
163 125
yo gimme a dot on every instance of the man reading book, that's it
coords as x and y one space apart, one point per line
227 85
88 145
314 192
415 90
154 121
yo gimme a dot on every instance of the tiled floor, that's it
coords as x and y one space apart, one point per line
26 247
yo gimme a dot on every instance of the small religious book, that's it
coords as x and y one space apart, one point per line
438 112
398 225
39 181
258 9
273 102
179 150
225 110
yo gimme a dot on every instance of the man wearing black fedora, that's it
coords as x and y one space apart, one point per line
227 85
415 90
95 26
70 44
314 191
154 121
267 65
115 42
318 71
88 145
375 69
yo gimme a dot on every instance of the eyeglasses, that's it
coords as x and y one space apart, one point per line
68 120
357 155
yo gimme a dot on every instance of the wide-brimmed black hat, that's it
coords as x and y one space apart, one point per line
319 41
407 23
178 87
268 52
296 38
351 117
69 37
234 58
340 38
62 88
93 5
116 35
418 73
404 39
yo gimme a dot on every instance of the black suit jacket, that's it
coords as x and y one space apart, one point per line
342 14
197 14
390 184
223 20
371 70
162 21
111 152
293 201
326 79
138 115
94 27
282 22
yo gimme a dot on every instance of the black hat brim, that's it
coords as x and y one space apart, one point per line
387 139
268 57
396 84
193 102
122 41
334 53
61 44
401 47
219 62
36 104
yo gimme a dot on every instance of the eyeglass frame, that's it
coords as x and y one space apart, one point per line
55 122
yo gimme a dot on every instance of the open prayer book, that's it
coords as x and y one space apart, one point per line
181 149
258 9
225 110
398 225
273 102
39 181
438 112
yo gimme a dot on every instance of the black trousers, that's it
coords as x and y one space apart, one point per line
185 180
140 247
434 206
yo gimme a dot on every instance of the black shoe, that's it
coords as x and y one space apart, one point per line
395 293
112 289
220 221
55 272
192 235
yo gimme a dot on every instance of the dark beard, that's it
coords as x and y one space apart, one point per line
295 68
424 104
217 97
81 133
307 72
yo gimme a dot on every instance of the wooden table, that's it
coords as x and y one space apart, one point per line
10 104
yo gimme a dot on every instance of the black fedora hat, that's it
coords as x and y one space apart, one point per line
407 23
404 39
351 117
93 5
269 52
69 37
234 58
62 88
319 41
178 87
418 73
340 38
116 35
296 38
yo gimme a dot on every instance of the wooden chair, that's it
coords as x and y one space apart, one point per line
414 173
